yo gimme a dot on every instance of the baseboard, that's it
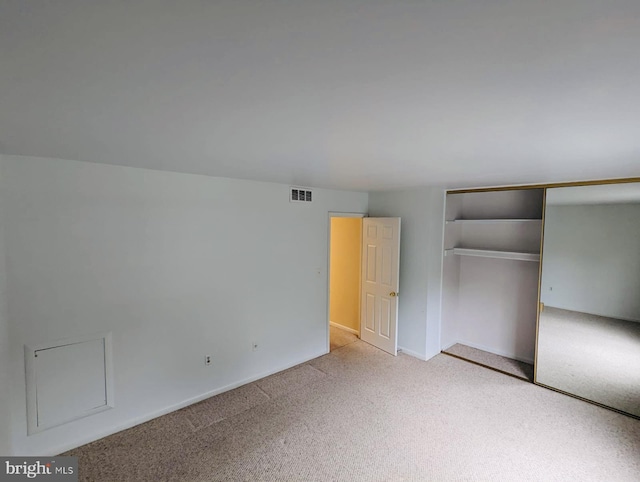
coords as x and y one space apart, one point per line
449 345
412 353
172 408
495 352
432 354
345 328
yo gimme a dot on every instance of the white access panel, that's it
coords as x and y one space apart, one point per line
67 380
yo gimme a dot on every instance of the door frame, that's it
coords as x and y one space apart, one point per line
334 214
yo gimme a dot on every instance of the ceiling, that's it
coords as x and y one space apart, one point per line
348 94
599 194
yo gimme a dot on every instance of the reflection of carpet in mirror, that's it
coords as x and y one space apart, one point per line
594 357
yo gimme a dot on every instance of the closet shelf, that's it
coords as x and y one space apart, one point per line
485 253
492 221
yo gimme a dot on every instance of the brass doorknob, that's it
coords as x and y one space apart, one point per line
392 294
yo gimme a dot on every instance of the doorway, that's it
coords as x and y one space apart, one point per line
364 299
345 258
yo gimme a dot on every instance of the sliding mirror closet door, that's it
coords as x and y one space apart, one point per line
589 325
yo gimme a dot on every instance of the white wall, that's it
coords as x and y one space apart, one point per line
591 260
497 306
176 266
5 427
422 213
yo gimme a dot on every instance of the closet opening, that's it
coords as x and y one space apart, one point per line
491 278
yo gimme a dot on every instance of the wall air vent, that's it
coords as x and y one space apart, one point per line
300 194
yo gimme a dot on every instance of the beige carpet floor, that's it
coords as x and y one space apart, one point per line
339 337
507 365
359 414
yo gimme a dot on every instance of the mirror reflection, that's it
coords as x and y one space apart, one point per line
589 327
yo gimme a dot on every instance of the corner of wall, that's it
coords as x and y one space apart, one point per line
435 246
5 400
422 213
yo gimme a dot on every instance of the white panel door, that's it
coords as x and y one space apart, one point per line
380 272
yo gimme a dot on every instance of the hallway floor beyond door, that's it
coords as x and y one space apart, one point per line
339 337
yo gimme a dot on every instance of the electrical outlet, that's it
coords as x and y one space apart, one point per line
254 346
207 360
